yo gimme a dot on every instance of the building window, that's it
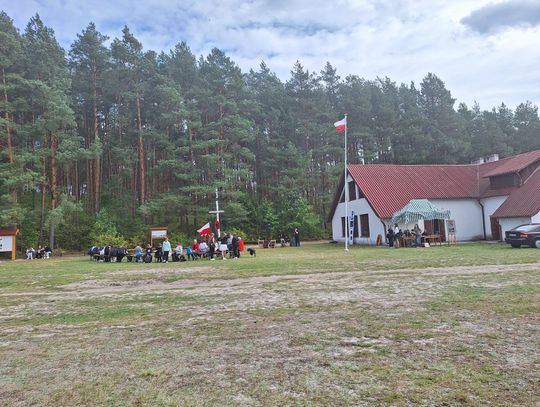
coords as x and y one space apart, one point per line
352 190
364 225
343 226
355 230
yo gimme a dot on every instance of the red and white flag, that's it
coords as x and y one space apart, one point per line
341 125
205 230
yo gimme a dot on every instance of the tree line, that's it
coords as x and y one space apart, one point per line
109 133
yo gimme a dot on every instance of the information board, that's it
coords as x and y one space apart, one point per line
159 234
6 243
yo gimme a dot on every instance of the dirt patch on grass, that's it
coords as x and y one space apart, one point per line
376 337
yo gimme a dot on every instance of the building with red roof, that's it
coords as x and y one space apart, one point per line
485 199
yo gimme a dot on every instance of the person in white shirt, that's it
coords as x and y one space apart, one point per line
397 235
203 248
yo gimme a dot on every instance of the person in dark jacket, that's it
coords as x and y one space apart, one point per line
390 237
296 237
107 253
236 247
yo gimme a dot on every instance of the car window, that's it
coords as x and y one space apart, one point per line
527 228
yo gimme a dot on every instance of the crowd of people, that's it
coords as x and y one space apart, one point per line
207 247
395 236
40 253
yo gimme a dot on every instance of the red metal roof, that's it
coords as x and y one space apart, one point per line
9 232
511 164
390 187
524 201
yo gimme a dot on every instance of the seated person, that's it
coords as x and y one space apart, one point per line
30 253
47 251
177 252
203 248
94 252
138 251
147 257
191 254
39 252
102 253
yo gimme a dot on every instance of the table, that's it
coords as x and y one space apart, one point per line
407 241
432 239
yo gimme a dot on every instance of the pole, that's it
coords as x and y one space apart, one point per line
217 215
346 186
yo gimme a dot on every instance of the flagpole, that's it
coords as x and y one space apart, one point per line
346 186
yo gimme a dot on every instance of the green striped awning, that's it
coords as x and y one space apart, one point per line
419 209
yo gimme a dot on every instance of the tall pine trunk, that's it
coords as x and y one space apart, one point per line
95 131
140 148
54 182
9 133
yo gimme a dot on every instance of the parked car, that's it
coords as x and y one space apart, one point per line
528 235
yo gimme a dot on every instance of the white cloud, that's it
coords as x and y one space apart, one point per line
402 39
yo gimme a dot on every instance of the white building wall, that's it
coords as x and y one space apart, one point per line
360 207
468 216
511 223
536 218
490 206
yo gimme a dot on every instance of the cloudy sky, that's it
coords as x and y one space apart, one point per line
486 51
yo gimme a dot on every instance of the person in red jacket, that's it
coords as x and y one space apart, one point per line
195 246
241 245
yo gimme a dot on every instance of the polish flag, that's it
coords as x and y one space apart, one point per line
205 230
341 125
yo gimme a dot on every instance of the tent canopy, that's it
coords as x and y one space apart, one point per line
419 209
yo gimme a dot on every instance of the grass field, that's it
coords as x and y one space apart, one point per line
443 326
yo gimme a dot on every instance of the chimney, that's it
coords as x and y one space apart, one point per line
478 161
492 158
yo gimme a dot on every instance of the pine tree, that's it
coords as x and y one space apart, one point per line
89 61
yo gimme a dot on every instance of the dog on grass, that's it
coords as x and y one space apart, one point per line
252 252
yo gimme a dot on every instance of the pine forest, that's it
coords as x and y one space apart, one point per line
103 140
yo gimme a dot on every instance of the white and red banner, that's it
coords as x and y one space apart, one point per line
341 125
205 230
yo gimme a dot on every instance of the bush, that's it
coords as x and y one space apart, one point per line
112 239
238 232
183 238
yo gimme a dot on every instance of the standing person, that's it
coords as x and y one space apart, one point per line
235 245
417 234
390 236
107 253
166 250
212 246
159 254
229 245
296 237
223 246
397 235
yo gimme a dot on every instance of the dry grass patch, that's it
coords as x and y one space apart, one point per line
276 331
